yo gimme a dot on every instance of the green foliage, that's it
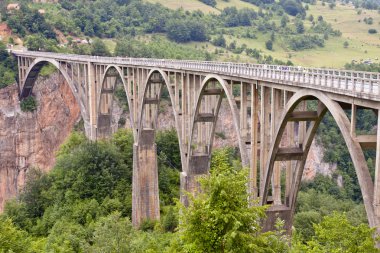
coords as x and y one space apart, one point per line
12 239
219 41
219 219
313 205
29 21
94 171
170 220
185 31
372 31
28 104
168 147
302 42
269 45
336 234
209 2
373 67
299 26
98 48
233 17
7 67
37 42
112 233
336 150
157 48
292 7
66 236
47 70
74 140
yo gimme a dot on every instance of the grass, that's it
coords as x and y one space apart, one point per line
189 5
192 5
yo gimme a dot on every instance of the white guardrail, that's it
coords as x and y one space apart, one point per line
346 82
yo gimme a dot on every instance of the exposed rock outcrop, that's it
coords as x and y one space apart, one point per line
31 139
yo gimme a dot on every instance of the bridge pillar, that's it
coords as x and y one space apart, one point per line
92 102
145 193
198 165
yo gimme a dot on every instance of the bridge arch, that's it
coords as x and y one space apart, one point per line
145 203
31 76
109 81
300 153
204 120
149 108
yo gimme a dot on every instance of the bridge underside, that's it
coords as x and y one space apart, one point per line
276 112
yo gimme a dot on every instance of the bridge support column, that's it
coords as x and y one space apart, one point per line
198 166
92 91
145 193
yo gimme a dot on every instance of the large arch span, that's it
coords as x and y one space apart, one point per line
300 153
29 77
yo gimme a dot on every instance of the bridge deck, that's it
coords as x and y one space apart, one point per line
358 84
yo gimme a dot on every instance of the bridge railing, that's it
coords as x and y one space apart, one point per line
357 83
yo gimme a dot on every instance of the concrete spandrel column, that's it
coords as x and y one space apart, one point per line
145 192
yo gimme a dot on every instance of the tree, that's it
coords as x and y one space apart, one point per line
219 41
178 30
99 48
209 2
345 44
170 221
372 31
12 239
35 42
299 26
284 20
336 234
293 7
112 234
198 31
269 45
220 218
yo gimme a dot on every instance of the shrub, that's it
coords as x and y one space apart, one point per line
28 104
269 45
372 31
209 2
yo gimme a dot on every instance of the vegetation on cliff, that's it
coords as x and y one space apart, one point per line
8 67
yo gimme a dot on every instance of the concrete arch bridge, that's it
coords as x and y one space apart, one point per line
276 112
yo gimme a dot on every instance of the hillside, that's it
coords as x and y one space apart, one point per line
343 17
314 34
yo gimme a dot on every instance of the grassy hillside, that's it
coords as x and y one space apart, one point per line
361 44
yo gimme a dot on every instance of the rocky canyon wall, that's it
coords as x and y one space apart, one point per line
30 139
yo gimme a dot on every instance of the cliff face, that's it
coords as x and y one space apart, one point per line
31 139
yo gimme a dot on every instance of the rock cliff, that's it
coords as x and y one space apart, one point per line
31 139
